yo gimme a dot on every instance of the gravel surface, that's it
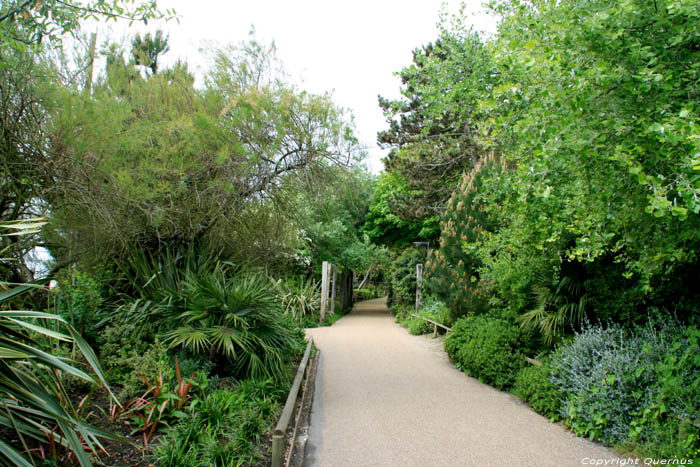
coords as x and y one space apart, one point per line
386 398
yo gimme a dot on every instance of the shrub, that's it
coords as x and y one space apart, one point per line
79 301
533 385
610 381
402 275
433 309
301 300
486 348
670 427
128 355
417 326
401 312
236 321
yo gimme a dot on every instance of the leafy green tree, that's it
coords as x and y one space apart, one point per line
29 22
383 226
596 111
333 221
166 162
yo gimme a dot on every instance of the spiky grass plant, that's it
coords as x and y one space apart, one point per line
34 404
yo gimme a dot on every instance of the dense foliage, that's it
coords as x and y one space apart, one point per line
580 205
186 229
402 276
533 386
486 348
452 272
637 388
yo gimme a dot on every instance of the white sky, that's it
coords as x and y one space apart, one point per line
352 48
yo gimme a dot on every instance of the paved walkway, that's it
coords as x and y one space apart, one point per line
386 398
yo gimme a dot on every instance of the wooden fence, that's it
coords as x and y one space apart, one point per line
279 436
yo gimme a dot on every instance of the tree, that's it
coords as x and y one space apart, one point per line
24 161
433 129
147 49
333 218
386 228
453 270
165 162
30 22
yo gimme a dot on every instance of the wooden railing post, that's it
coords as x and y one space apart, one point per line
324 290
419 284
279 435
333 289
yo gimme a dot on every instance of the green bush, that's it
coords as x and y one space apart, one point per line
671 426
301 300
402 275
534 387
78 300
638 389
486 348
236 321
433 309
417 326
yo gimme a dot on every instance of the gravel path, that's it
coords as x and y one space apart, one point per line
386 398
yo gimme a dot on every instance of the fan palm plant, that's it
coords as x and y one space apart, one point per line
33 401
557 304
236 321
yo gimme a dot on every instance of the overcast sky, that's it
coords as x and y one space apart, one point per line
352 48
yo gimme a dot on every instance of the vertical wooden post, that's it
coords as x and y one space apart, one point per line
278 449
333 289
324 290
419 284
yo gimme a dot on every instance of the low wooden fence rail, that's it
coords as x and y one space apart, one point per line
279 436
435 324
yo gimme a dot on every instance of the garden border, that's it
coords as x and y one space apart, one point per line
279 435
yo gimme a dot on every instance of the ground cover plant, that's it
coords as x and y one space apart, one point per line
487 348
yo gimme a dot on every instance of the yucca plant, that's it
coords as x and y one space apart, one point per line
301 300
557 304
236 321
33 401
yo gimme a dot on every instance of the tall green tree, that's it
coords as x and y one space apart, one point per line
166 162
433 128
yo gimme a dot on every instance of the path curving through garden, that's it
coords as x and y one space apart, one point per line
386 398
